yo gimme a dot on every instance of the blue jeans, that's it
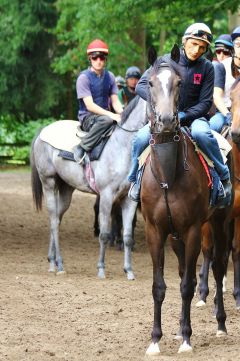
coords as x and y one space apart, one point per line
201 133
217 122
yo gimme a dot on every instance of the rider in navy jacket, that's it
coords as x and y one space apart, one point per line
195 100
196 89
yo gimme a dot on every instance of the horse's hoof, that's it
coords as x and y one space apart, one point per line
178 337
60 273
101 273
221 333
200 303
185 347
153 349
130 276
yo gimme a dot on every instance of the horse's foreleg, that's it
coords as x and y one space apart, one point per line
179 249
128 212
105 208
188 284
236 261
156 248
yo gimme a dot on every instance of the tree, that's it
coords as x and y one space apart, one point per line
28 86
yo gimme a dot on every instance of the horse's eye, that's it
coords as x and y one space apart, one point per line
150 83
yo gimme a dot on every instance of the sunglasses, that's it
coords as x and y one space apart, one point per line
101 57
225 52
202 34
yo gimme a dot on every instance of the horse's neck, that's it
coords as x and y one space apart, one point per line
135 121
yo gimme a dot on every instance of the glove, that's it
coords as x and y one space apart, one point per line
228 118
181 116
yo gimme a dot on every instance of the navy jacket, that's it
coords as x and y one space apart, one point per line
196 90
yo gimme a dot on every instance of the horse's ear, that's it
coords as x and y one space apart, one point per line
209 54
175 53
152 55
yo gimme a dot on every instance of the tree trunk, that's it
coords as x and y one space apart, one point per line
233 20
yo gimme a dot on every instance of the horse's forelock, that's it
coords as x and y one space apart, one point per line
163 63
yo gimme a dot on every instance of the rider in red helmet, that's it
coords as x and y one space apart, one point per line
96 89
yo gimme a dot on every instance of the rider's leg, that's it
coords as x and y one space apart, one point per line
140 142
203 136
95 126
217 122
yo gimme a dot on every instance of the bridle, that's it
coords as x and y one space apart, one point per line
166 137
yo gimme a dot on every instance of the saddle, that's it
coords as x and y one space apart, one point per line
65 134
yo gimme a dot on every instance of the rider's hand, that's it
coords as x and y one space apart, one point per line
116 117
228 118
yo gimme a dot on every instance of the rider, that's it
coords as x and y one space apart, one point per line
127 93
195 100
120 81
226 73
96 89
223 47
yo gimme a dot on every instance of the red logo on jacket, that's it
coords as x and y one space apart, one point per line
197 78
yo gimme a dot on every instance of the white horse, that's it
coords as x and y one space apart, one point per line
57 178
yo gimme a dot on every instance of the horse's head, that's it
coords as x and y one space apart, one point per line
163 93
235 99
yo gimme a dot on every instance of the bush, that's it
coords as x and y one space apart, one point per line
16 138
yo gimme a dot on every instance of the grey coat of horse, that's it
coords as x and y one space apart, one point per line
56 179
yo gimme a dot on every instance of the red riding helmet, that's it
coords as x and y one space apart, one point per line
98 46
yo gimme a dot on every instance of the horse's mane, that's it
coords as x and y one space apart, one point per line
129 108
235 83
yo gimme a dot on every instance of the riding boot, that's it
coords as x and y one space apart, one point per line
78 153
224 194
227 185
134 191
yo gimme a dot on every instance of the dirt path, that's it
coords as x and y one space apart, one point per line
78 317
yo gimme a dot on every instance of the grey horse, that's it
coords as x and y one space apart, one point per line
57 178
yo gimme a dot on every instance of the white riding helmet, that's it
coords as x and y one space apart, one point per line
198 31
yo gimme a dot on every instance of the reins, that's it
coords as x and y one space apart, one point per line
128 130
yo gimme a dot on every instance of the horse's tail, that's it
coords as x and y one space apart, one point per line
37 190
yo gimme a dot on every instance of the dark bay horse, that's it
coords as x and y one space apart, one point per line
234 244
57 178
175 202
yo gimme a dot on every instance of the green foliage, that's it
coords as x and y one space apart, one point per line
15 138
43 46
28 87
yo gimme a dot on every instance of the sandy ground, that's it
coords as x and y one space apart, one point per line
77 316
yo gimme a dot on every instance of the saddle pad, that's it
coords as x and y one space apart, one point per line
62 134
223 144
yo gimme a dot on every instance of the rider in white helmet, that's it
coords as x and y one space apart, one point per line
195 100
